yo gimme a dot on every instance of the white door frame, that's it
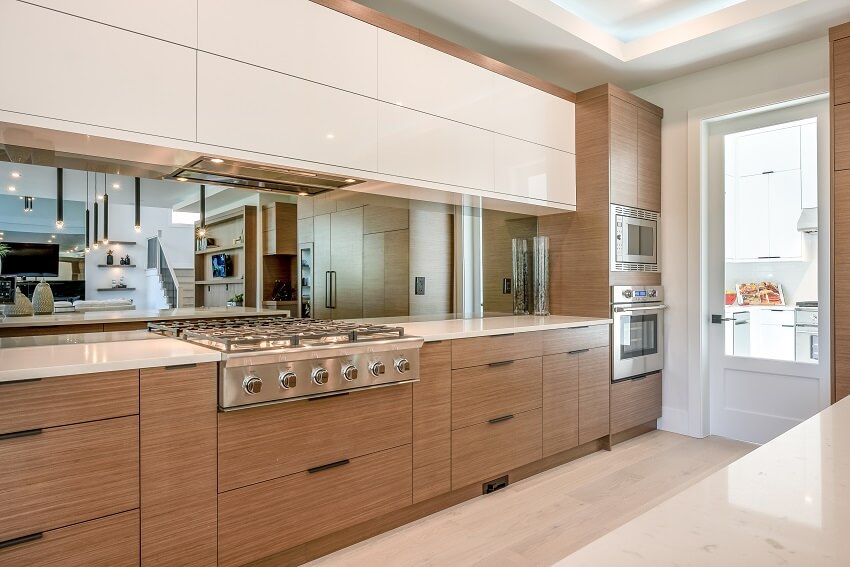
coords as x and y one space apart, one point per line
699 314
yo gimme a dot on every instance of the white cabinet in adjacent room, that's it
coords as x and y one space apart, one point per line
296 37
809 164
752 219
773 150
68 68
784 210
767 207
283 115
530 170
421 146
171 20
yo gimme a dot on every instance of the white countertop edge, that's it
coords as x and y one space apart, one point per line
433 331
86 368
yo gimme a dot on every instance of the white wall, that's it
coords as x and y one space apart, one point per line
782 74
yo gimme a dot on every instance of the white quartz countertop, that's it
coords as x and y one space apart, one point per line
134 315
464 328
84 357
786 503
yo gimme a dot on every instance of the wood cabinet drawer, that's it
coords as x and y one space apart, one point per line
432 422
106 542
577 338
481 393
263 443
269 517
482 452
64 400
634 402
495 348
68 474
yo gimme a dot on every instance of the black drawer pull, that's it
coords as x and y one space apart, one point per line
579 351
21 381
338 394
500 419
180 366
502 335
502 363
16 434
582 327
20 540
328 466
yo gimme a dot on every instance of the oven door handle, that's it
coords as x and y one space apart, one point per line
630 309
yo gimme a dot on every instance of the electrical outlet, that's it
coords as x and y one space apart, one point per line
506 286
495 485
419 286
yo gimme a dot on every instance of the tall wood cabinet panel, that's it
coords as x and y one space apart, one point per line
594 367
148 85
432 439
624 153
841 136
178 464
841 71
560 403
649 161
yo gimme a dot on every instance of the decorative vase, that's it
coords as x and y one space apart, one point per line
109 259
541 275
519 249
21 308
42 299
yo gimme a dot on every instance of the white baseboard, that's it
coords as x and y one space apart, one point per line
674 420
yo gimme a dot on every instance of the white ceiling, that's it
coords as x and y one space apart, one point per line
633 43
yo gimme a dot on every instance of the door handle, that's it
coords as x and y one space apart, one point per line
720 318
327 289
333 279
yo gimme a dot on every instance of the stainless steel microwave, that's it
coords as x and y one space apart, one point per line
634 240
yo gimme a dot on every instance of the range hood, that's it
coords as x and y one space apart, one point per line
808 221
215 171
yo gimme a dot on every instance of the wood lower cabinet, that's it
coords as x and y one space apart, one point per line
485 451
594 382
112 541
432 420
635 402
63 475
49 402
576 338
178 464
262 519
495 348
560 403
263 443
486 392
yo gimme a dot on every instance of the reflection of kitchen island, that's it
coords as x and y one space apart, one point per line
786 503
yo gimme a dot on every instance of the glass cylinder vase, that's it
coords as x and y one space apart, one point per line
540 287
519 248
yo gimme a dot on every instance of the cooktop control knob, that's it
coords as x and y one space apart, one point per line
627 293
349 372
320 376
377 368
288 379
252 384
402 365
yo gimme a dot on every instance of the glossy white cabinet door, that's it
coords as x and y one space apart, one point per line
297 37
752 217
68 68
730 224
774 150
809 164
283 115
171 20
533 115
785 199
421 146
416 76
530 170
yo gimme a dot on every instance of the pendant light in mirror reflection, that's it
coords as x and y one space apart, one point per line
105 212
95 239
202 222
88 216
138 225
60 197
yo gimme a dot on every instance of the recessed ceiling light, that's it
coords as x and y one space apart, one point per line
181 179
2 233
15 174
116 186
303 193
330 136
217 160
52 236
350 180
100 197
11 188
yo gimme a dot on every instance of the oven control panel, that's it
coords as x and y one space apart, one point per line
636 294
7 290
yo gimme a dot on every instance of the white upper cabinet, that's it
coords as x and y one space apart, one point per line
283 115
171 20
809 164
421 146
530 170
752 220
296 37
774 150
68 68
416 76
785 201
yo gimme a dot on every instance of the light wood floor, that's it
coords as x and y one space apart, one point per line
540 520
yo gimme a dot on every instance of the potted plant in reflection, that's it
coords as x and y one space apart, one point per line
237 300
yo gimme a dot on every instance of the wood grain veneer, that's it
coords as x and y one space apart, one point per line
269 517
485 451
477 351
649 161
607 89
178 465
841 137
38 331
840 285
577 338
112 541
634 402
560 403
432 414
125 326
283 438
593 394
623 152
68 474
841 71
481 393
65 400
385 22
